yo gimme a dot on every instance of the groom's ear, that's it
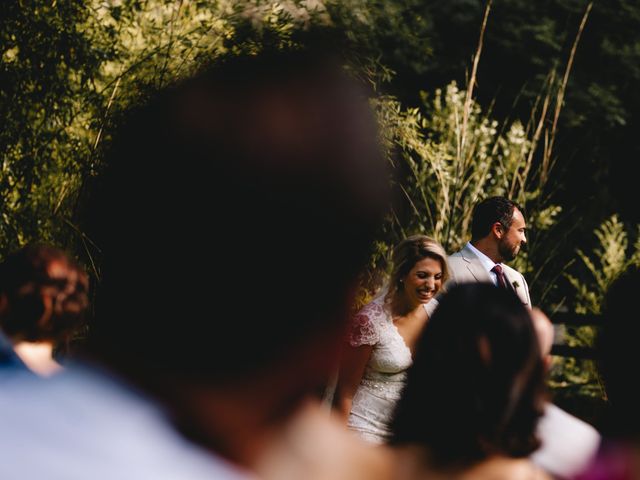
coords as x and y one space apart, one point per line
497 229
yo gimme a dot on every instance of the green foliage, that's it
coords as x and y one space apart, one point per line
70 66
48 62
597 142
452 169
109 55
609 259
446 164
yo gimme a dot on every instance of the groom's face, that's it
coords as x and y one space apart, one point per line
513 237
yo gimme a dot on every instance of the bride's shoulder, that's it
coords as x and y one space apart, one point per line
366 324
375 308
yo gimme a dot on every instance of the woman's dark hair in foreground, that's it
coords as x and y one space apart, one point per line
476 387
43 294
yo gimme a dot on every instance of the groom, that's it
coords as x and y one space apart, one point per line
498 232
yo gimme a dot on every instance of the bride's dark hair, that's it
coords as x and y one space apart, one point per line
476 387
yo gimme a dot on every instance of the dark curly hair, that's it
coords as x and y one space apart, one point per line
43 294
476 387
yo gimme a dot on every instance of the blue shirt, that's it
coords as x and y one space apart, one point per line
8 357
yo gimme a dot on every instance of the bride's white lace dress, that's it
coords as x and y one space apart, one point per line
385 374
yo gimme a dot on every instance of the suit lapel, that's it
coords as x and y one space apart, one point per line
474 265
510 280
480 273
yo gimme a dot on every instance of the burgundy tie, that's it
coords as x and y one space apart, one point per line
502 282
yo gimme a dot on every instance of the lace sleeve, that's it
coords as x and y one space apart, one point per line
364 329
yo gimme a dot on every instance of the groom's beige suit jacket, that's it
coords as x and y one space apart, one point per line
466 267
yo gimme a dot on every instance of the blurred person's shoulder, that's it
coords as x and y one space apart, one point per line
315 446
501 468
82 424
568 443
412 463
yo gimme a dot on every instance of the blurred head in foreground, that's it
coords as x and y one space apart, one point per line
235 213
476 388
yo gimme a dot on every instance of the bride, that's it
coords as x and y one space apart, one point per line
384 334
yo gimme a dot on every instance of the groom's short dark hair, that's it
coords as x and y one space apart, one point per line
235 213
488 212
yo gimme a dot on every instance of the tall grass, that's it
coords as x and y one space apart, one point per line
610 258
591 278
451 154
